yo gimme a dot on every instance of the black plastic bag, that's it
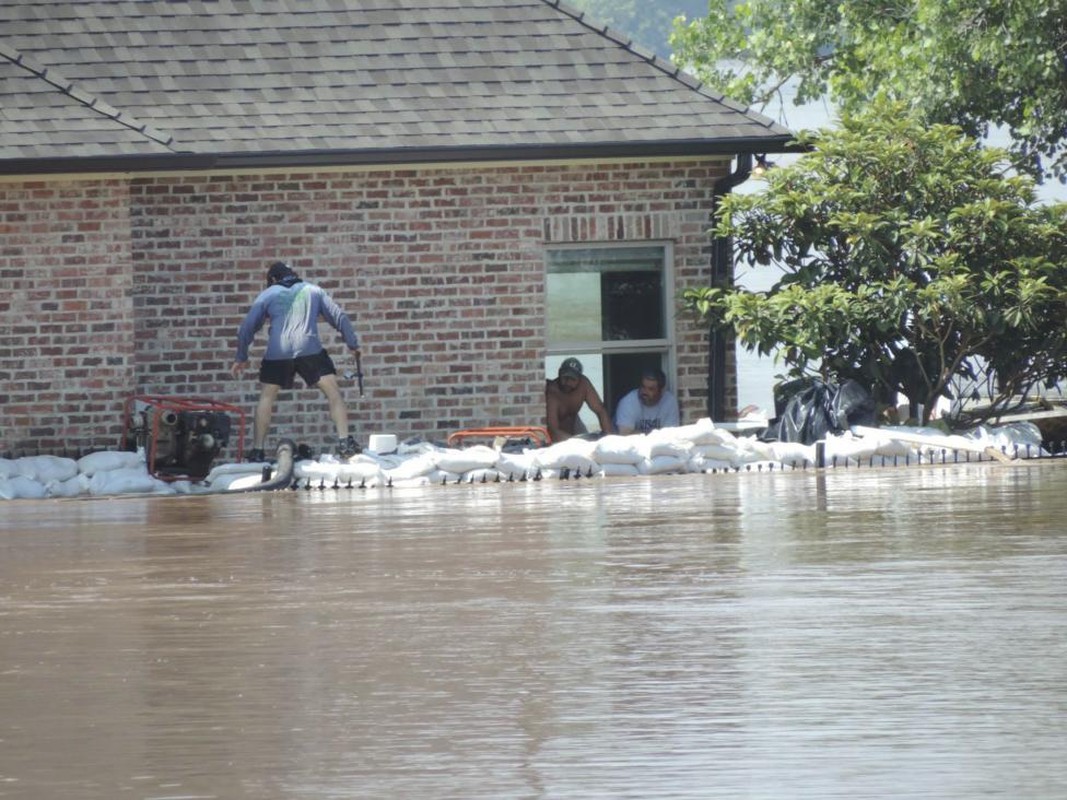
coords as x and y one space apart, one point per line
816 409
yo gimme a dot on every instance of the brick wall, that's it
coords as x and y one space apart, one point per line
66 324
138 286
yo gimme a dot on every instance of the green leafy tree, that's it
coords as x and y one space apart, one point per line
972 63
912 261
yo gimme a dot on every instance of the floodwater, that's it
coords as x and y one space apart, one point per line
844 634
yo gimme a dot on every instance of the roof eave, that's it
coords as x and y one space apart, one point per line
285 159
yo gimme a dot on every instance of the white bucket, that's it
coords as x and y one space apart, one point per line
382 442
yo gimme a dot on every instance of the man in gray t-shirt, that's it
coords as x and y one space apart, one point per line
293 307
648 407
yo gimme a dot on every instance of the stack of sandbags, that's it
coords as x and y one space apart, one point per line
97 474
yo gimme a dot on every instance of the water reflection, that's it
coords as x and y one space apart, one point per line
868 633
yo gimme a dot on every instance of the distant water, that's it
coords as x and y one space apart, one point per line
865 633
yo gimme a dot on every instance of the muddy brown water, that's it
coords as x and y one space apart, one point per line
866 633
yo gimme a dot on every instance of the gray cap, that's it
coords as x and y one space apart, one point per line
572 366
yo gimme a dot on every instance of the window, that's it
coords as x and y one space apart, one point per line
608 307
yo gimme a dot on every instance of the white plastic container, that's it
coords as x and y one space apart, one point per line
382 442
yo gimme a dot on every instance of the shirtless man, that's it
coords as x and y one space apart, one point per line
564 397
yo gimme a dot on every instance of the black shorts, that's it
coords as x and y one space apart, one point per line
280 371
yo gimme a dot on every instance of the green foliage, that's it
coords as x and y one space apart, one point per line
911 261
973 63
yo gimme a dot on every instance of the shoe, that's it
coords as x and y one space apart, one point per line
346 448
256 455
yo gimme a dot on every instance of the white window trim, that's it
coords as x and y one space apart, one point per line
668 345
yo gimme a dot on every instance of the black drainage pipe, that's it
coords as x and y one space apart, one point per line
283 477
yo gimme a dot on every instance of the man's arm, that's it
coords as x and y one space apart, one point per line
553 415
596 405
339 320
250 325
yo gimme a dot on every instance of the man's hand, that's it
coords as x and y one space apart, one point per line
237 367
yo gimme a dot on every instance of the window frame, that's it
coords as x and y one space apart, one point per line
666 347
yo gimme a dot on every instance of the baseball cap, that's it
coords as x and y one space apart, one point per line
571 366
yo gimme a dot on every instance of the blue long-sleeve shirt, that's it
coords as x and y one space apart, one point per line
294 313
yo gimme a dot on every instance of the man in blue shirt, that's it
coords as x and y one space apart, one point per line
293 307
648 407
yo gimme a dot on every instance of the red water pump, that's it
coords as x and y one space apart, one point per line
181 436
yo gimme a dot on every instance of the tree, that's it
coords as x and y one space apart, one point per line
912 261
972 63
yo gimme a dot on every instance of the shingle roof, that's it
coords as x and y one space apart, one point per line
349 80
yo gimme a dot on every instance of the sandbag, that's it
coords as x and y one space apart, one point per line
611 470
615 449
20 486
127 481
662 465
109 460
47 468
460 461
72 487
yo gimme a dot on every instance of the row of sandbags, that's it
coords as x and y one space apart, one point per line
97 474
700 447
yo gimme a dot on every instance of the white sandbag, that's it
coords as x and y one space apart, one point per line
413 483
663 443
847 447
421 464
485 475
716 452
558 458
750 449
107 460
698 463
360 471
354 472
572 454
517 465
387 461
414 448
8 468
21 486
127 481
703 431
238 469
616 470
1016 439
616 449
439 477
315 470
460 461
72 487
889 447
793 453
44 469
661 465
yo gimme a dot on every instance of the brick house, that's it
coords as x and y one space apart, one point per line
486 187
